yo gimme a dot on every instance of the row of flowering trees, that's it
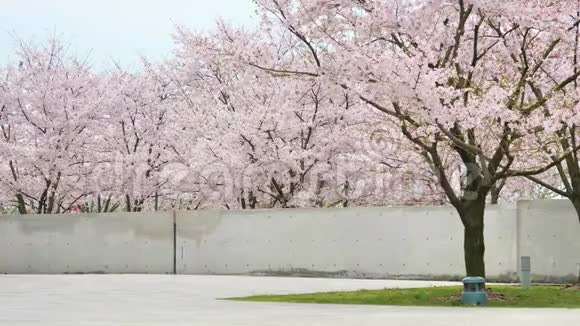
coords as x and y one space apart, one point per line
326 103
201 130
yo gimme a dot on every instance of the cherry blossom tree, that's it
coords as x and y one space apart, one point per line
270 140
135 139
471 78
47 115
275 141
564 179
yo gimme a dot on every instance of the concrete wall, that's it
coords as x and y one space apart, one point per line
424 242
549 232
351 242
104 243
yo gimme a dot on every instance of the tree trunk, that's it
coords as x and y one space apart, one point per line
474 248
128 203
473 241
576 203
494 196
21 204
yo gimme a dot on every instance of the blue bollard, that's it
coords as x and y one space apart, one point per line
474 291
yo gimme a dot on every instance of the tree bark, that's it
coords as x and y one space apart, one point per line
473 241
576 203
474 248
494 197
128 203
21 204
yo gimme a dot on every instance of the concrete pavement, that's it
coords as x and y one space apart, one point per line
146 300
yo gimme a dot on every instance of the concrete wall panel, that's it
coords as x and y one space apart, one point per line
103 243
424 242
549 232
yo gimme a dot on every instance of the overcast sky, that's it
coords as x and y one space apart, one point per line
113 29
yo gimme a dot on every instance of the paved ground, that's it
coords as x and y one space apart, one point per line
132 300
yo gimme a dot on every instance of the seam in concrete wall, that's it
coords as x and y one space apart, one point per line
519 214
174 243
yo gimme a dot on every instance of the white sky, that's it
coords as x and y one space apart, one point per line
113 29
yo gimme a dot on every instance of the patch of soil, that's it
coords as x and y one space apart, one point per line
572 287
495 296
453 298
491 296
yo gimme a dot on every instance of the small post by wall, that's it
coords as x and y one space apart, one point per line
526 268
